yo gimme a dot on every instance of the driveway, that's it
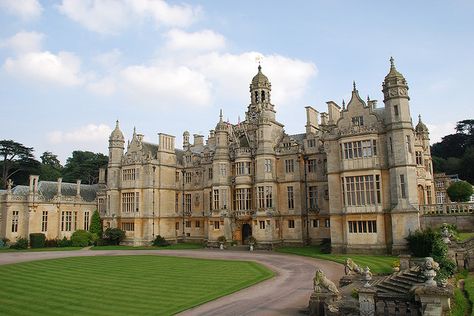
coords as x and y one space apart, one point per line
286 294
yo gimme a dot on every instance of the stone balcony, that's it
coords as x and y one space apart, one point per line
447 209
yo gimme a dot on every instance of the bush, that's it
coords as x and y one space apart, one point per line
81 238
37 240
51 243
114 235
160 242
460 191
21 243
2 243
420 242
101 242
221 239
96 224
252 240
64 242
326 245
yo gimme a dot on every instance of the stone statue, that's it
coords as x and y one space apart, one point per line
350 267
322 284
367 276
429 271
446 234
9 185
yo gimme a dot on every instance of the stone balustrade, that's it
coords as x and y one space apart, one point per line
447 209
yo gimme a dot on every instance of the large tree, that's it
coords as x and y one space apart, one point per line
17 162
84 165
50 166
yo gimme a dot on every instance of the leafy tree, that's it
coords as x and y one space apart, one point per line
17 162
50 166
114 235
84 165
460 191
96 225
465 127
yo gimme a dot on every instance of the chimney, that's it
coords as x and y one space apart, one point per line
34 183
324 118
334 112
78 187
198 140
311 120
60 181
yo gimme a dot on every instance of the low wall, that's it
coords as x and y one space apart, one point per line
464 222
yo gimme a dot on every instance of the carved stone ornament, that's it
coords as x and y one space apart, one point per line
321 284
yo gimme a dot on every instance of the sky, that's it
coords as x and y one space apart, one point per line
69 69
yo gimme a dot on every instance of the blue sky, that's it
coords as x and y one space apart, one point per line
69 69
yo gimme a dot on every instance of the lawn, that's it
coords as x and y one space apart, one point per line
377 264
120 285
40 249
465 236
171 247
463 301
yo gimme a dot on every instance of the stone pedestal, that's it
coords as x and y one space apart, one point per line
404 262
435 301
367 301
319 302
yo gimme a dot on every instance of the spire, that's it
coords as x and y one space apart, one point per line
220 115
117 124
354 86
343 104
368 99
259 67
421 127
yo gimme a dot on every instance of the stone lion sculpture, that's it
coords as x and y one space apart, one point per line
322 284
350 267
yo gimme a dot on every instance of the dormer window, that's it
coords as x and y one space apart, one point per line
358 120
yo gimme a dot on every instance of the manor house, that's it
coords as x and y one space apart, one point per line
357 176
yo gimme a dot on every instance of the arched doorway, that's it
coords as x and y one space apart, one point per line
246 233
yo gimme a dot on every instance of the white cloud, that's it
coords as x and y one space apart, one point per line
166 85
232 73
25 9
206 40
105 86
109 59
438 131
111 16
24 42
83 135
62 68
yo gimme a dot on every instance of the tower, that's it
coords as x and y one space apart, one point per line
401 162
116 148
260 97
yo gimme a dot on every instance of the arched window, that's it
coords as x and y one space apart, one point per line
256 96
263 96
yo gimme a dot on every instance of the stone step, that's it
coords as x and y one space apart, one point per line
402 286
385 287
409 278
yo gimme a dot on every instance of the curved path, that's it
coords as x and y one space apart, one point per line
285 294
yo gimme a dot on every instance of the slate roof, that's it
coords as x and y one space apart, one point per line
48 189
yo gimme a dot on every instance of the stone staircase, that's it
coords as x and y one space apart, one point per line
399 284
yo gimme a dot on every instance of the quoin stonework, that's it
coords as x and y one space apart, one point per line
356 176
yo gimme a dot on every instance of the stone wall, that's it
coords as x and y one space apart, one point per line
464 222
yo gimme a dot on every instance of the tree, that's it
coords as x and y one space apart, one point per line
96 225
460 191
465 127
50 166
84 165
17 162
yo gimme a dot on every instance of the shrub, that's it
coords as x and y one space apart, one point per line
101 242
21 243
160 242
37 240
96 224
420 242
114 235
460 191
51 243
64 242
2 243
252 240
221 239
81 238
326 245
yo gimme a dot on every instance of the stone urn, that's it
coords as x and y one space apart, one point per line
252 242
221 245
251 247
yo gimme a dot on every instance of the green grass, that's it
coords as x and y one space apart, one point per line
171 247
40 249
465 236
469 288
120 285
463 301
377 264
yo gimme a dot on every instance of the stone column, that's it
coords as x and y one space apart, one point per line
367 301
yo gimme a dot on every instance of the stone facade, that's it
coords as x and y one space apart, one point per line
56 209
357 176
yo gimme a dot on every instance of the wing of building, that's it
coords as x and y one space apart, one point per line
357 176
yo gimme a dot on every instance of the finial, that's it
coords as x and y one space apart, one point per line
368 99
259 67
343 104
354 85
117 124
220 115
134 130
419 118
392 62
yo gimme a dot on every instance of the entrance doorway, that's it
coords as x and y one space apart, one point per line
246 233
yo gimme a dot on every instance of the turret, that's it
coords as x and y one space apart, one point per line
395 91
260 93
116 146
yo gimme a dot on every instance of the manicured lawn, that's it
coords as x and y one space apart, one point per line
465 236
40 249
377 264
120 285
172 247
463 301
